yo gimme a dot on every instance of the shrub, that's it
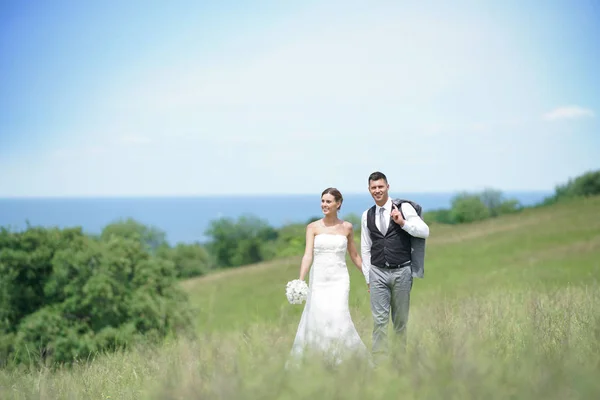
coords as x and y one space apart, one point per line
584 185
65 295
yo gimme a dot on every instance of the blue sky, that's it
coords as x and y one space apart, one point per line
185 98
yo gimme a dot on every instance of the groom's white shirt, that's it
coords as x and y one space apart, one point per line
413 224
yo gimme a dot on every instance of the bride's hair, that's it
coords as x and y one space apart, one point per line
337 195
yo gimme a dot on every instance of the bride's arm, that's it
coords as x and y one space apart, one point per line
308 251
354 255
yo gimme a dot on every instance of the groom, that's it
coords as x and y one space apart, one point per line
386 257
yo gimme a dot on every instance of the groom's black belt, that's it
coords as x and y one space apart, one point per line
393 266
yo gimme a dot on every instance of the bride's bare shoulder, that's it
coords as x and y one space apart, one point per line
348 228
313 226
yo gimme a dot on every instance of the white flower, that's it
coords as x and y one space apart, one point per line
296 291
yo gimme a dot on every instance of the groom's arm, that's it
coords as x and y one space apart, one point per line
413 224
365 247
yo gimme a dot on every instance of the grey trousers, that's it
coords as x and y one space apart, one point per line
390 292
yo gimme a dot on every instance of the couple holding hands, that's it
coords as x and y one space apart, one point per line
392 249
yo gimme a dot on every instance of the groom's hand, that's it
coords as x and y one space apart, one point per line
397 215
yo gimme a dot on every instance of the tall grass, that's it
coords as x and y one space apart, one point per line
513 344
509 308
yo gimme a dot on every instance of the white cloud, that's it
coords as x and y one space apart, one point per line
568 112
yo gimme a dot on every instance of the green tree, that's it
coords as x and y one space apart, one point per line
239 242
290 241
587 184
65 295
189 260
151 237
508 207
497 204
492 199
468 207
442 216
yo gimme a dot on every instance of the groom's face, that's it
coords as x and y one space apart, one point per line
379 190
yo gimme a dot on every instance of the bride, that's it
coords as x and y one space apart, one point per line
326 326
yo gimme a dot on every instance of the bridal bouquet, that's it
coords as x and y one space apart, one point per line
296 291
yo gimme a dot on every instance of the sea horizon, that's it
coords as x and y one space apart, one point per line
263 195
184 219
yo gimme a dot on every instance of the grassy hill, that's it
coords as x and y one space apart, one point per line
536 250
508 308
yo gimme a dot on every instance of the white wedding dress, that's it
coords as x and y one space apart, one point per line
326 326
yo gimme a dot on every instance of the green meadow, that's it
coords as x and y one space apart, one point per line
509 308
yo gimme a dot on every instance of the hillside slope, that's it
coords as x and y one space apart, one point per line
538 249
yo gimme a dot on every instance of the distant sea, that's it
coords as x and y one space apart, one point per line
185 219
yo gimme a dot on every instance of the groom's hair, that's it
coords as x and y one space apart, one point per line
375 176
336 195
